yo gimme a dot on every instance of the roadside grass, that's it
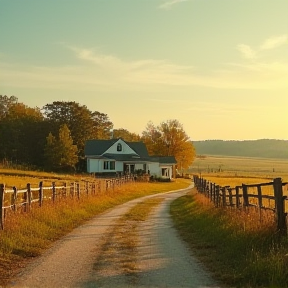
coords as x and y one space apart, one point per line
238 250
27 235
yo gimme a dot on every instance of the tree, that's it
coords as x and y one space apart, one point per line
102 126
19 132
5 103
126 135
61 153
82 123
169 139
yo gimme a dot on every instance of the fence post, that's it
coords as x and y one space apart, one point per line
2 191
78 190
40 194
280 206
14 199
224 196
245 195
230 196
28 197
53 192
237 196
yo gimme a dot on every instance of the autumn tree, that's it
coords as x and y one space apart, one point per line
169 139
60 153
126 135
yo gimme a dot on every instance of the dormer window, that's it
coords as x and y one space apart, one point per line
119 147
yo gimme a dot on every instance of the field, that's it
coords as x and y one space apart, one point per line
240 167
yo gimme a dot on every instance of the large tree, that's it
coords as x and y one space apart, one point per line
102 126
20 133
61 153
82 123
169 139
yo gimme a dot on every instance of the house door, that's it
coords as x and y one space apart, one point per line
129 168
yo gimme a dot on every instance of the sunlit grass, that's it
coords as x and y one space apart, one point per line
240 250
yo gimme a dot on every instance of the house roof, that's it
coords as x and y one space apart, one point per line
165 159
98 147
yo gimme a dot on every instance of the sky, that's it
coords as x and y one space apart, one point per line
219 67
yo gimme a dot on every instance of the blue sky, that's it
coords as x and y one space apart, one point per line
220 67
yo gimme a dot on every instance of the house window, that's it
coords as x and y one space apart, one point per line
119 147
109 165
112 165
106 165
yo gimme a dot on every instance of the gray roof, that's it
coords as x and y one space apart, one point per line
165 159
98 147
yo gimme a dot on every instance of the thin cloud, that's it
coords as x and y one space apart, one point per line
246 51
271 43
99 71
168 5
274 42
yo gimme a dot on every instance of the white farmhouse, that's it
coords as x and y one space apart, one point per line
116 156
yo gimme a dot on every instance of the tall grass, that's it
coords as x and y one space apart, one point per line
240 251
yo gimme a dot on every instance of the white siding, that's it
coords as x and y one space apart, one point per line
125 148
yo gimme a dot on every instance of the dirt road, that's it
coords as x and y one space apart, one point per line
90 256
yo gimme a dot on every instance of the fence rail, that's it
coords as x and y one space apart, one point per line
239 197
15 199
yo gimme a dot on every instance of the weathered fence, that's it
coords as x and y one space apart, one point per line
241 197
14 199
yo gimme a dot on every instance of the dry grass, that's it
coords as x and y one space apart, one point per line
240 250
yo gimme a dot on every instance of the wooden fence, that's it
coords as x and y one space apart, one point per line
14 199
241 196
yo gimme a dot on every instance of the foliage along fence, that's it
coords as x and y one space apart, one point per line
14 199
248 195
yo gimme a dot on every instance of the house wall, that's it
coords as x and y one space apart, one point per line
125 148
97 166
154 169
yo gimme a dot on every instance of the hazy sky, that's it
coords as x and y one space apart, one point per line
220 67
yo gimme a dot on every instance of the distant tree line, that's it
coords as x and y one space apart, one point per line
262 148
53 137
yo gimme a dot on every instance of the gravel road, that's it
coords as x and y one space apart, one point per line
90 256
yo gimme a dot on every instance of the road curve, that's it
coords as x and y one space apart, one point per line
163 259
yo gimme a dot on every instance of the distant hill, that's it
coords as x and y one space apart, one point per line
263 148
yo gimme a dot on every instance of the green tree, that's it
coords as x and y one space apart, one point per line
169 139
82 123
5 103
19 133
102 126
61 153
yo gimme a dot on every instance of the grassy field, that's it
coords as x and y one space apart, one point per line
240 167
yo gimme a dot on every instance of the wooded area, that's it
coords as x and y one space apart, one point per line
242 197
53 138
